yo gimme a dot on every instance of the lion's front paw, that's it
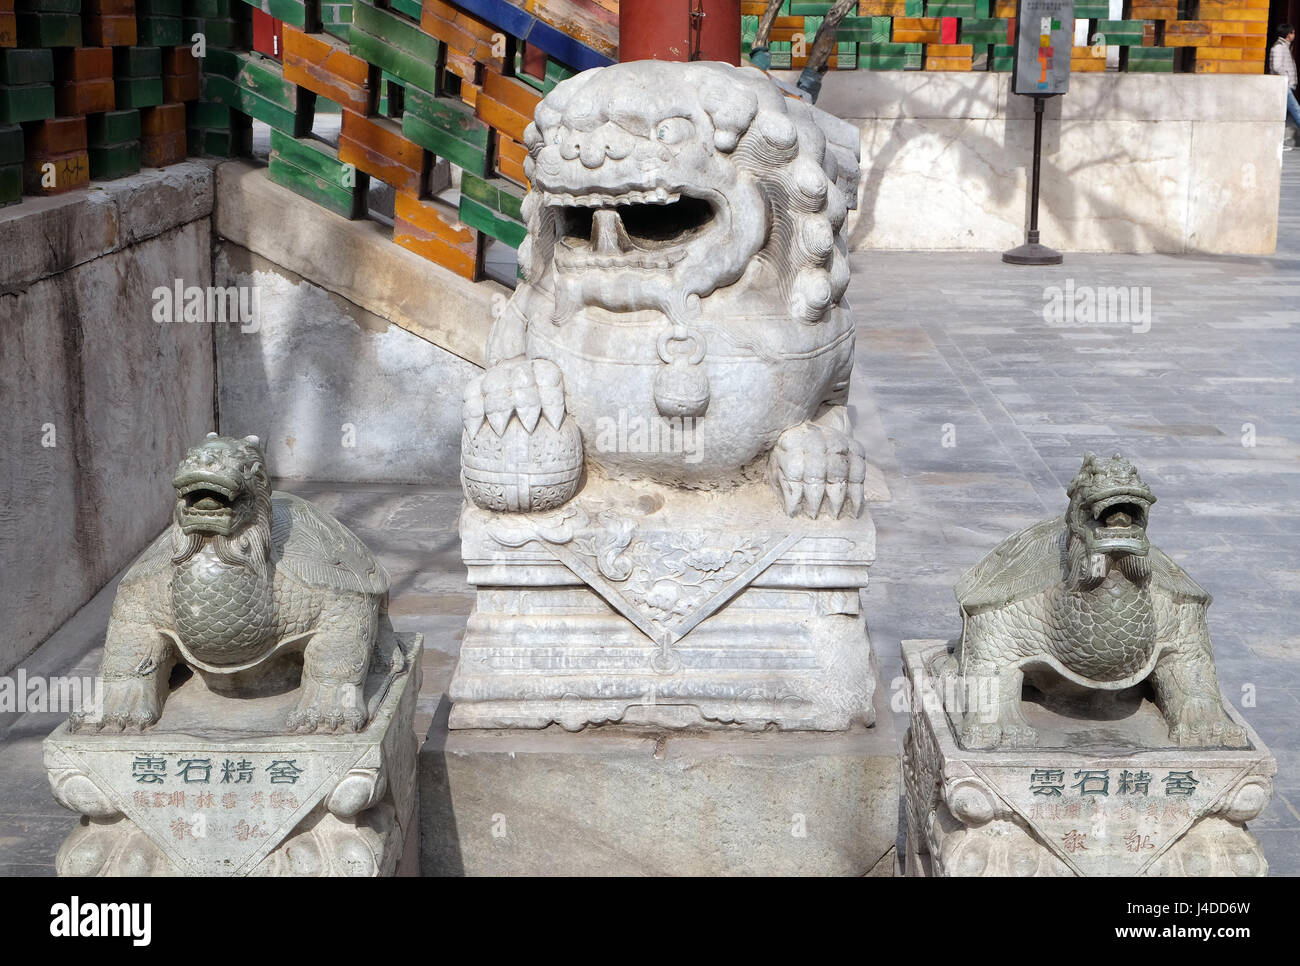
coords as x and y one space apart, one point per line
129 704
1201 723
527 388
519 452
814 465
328 706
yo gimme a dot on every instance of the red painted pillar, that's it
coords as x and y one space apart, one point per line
679 30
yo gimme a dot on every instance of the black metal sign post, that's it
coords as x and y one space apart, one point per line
1044 37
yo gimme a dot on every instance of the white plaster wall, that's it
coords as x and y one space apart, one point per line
335 392
1131 162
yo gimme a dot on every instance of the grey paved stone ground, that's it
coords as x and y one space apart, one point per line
960 340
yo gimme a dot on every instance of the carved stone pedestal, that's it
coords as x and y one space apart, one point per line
1102 794
653 605
616 800
217 788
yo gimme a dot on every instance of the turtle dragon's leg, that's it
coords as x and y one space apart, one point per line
334 667
1186 683
138 659
991 682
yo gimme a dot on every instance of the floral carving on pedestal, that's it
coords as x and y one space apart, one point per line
673 575
664 582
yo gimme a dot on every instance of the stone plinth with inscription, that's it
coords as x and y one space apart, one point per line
219 788
1105 791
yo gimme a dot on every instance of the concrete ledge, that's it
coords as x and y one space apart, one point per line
858 94
355 259
45 236
1200 98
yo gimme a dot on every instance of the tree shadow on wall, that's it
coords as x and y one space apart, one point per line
1004 140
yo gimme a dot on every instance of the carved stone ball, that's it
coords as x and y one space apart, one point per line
519 471
1248 801
971 803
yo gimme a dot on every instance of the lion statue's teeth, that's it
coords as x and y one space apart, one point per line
685 259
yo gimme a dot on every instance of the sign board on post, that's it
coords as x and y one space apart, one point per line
1044 38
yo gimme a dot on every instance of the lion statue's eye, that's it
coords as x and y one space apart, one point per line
674 130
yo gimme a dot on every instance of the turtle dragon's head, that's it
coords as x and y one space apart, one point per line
655 184
223 496
1107 519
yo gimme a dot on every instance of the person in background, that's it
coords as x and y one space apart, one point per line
1281 62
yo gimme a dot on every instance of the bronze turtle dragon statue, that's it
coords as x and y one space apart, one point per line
1087 598
244 575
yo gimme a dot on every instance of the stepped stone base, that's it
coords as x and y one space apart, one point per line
616 800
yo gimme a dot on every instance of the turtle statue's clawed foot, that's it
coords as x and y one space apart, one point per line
817 466
1201 723
127 705
328 707
980 734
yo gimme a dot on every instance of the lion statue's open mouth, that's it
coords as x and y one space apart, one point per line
651 189
685 266
639 229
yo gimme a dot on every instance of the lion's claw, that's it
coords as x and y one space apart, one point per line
815 465
527 388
